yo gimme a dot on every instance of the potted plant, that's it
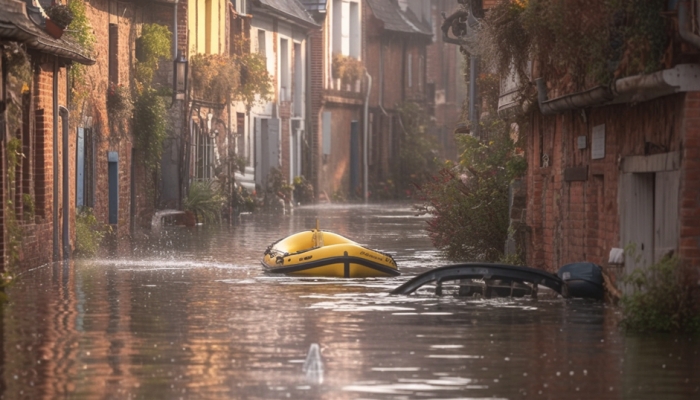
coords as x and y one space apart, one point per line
60 16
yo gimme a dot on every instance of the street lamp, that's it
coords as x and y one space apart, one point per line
179 77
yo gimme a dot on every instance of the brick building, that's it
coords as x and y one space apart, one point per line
37 145
610 175
397 39
275 135
615 166
335 104
76 151
113 179
445 82
399 61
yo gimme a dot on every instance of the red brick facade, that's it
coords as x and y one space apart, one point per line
445 87
690 184
575 202
40 175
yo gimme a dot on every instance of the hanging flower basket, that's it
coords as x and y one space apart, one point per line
119 104
53 29
60 14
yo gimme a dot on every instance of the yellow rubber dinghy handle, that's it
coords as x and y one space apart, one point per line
318 236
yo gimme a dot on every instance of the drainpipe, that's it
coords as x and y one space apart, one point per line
175 29
473 72
366 135
594 96
381 77
56 247
685 28
681 78
63 111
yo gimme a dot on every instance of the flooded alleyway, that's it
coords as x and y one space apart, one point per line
191 314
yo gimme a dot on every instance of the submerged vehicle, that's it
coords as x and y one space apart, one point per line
583 279
326 254
575 280
485 279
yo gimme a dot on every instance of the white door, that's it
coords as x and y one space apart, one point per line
666 229
637 224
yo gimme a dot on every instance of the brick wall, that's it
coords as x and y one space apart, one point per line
580 219
444 72
113 136
3 173
39 177
335 171
690 186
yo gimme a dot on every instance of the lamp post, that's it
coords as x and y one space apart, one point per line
180 67
180 70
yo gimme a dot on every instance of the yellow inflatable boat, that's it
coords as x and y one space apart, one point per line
320 253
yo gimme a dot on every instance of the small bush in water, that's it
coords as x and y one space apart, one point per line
88 233
661 299
204 200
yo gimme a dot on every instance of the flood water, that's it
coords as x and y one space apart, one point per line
190 314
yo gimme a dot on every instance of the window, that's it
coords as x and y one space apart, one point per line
420 73
354 31
346 38
326 129
284 70
208 26
113 53
240 136
113 178
409 71
240 6
297 83
261 42
203 168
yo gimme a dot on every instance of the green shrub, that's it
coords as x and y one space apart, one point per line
468 202
205 201
255 82
29 206
152 47
150 127
303 190
661 299
348 69
418 151
88 233
627 37
243 200
214 77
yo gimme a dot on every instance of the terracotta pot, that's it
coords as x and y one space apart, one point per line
190 219
53 29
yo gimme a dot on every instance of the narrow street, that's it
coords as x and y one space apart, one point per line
191 314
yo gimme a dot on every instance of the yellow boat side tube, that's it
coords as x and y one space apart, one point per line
299 255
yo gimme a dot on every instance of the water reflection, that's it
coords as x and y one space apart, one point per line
190 314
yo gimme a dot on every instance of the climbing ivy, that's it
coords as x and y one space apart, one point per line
82 33
255 82
150 126
577 49
153 46
418 149
215 77
17 84
468 202
149 109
